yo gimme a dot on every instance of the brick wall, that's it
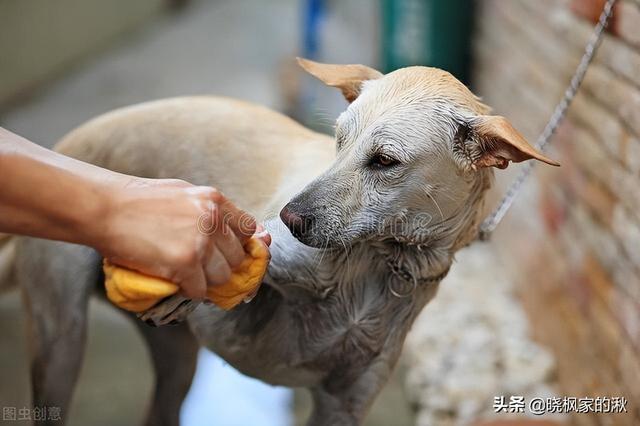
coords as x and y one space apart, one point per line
572 243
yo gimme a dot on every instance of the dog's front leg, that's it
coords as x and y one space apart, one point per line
329 409
336 405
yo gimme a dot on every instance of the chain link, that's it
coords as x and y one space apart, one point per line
493 220
406 276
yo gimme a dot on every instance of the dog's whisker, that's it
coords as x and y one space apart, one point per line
346 252
323 116
436 203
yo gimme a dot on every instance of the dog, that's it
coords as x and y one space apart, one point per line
365 226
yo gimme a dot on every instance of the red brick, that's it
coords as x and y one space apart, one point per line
572 241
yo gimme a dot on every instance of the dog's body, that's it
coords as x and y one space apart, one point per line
327 318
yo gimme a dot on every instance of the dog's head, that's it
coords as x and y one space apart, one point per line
414 152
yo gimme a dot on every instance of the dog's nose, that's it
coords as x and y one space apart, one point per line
298 224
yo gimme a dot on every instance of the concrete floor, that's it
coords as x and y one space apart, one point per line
239 48
115 379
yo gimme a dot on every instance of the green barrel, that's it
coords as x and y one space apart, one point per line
436 33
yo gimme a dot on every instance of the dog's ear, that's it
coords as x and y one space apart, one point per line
347 78
491 140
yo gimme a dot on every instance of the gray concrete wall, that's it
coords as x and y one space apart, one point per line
39 39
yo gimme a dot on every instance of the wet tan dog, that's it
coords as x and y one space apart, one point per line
371 223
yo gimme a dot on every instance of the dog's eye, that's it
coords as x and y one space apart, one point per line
383 160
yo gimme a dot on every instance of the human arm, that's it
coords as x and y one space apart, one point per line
153 226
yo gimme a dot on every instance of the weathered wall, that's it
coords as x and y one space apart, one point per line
573 240
39 38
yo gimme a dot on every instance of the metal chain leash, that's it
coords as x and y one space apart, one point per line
493 220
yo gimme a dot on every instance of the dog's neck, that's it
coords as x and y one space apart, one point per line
432 250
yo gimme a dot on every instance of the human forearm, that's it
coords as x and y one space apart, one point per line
45 194
191 235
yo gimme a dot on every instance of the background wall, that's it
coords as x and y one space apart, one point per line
40 39
572 243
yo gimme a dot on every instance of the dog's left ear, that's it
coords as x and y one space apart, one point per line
491 140
347 78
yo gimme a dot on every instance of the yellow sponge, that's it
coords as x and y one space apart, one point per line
137 292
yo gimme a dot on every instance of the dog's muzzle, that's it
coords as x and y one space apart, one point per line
299 224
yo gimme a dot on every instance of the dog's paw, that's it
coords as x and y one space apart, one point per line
169 311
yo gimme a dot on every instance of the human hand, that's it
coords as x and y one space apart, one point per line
190 235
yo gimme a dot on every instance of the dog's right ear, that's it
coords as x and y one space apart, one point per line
347 78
